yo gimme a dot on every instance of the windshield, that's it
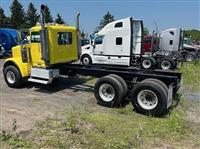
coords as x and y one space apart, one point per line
26 39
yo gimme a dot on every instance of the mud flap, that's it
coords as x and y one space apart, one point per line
170 95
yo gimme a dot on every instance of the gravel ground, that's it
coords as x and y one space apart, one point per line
36 102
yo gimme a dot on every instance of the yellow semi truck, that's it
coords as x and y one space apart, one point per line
52 49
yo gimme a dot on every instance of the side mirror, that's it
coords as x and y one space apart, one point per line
23 46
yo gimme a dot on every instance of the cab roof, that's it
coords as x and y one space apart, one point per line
54 27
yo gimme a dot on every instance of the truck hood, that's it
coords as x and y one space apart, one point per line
86 47
190 46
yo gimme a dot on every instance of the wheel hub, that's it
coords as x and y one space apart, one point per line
147 99
146 64
106 92
86 60
10 77
189 58
165 65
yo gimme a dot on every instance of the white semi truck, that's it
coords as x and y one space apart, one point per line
172 42
121 43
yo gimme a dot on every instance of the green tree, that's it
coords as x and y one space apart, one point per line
195 34
17 15
59 19
146 31
48 17
2 18
107 18
32 15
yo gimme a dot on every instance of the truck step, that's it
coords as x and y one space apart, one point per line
36 80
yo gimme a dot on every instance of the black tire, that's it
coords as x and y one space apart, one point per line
175 63
16 80
177 55
148 62
191 56
166 63
86 60
116 88
159 82
156 89
123 83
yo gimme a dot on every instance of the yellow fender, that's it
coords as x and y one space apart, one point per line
24 68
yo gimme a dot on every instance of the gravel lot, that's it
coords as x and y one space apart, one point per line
36 102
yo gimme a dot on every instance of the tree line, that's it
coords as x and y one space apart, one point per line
21 19
195 34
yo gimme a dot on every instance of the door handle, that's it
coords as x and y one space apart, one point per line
101 52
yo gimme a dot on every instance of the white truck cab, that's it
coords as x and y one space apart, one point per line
171 40
115 43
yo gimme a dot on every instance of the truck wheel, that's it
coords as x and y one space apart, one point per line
148 62
149 98
178 56
166 63
108 91
86 60
160 83
123 83
175 64
191 56
13 77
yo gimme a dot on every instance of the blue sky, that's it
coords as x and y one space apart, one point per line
165 13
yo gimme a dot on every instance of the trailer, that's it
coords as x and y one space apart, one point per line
150 91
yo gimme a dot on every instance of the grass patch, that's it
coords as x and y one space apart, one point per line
113 128
191 76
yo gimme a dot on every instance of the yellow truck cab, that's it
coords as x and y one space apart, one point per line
48 45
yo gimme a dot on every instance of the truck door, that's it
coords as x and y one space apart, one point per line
98 50
98 45
35 49
137 35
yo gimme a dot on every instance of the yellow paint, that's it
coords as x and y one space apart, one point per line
17 60
58 53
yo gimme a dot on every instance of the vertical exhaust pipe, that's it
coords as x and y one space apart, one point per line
44 37
77 21
42 16
78 34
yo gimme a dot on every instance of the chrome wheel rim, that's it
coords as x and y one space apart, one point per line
86 60
147 99
189 58
146 64
165 64
106 92
10 77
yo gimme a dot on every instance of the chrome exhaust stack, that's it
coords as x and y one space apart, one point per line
78 34
77 21
44 36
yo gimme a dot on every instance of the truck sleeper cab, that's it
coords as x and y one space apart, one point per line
115 43
121 43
